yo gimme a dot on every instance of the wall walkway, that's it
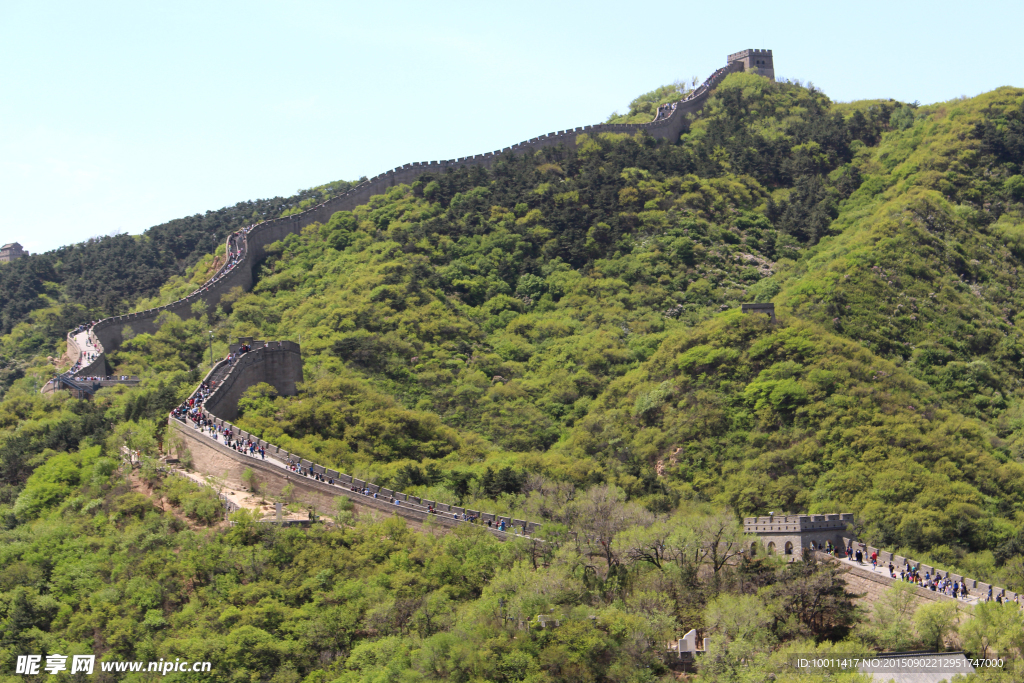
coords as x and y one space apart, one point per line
280 365
247 247
87 345
978 590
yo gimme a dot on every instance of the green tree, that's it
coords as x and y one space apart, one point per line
891 613
935 621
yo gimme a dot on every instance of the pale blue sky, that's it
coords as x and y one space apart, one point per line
119 116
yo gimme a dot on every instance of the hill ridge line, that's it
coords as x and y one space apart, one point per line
237 269
244 248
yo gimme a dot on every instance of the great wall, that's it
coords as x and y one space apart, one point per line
280 364
244 249
794 535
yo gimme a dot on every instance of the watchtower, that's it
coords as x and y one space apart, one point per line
11 252
791 534
755 59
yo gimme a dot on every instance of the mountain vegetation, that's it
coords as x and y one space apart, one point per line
559 337
104 275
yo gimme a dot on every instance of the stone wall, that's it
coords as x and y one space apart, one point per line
110 331
976 588
277 363
799 531
215 459
72 353
280 364
872 585
97 368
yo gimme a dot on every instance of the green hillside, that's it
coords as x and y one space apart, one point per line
42 296
559 337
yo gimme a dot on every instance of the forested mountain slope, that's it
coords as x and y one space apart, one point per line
924 264
558 336
104 275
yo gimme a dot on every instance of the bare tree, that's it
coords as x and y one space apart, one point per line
721 539
711 538
603 514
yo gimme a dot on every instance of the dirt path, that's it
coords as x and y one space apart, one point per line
242 499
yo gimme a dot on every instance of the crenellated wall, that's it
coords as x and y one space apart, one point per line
976 588
788 534
110 332
280 364
276 363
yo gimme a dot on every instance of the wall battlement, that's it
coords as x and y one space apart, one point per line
792 534
110 331
789 523
759 60
279 363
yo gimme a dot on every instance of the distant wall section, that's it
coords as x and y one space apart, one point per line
110 332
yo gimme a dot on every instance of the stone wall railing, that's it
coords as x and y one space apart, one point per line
977 588
416 507
108 333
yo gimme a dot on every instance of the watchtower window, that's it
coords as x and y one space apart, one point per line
789 548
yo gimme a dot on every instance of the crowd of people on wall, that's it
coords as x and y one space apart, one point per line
108 378
84 356
499 524
247 446
911 573
191 411
308 472
236 247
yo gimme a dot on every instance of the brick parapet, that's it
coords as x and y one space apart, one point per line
796 523
279 364
109 331
976 588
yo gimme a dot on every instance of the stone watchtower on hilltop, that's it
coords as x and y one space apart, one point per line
11 252
754 59
791 534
